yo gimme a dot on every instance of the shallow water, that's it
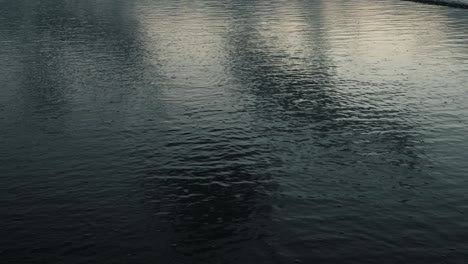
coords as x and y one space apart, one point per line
326 131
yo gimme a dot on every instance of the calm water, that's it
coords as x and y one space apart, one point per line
233 131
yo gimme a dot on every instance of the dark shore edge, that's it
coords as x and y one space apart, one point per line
441 3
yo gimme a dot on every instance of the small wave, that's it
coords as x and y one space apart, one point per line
457 4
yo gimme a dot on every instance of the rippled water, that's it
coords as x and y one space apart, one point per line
314 131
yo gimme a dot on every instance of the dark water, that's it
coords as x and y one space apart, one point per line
234 131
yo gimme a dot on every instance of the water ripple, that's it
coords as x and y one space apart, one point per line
233 131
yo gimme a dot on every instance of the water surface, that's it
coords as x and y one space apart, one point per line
314 131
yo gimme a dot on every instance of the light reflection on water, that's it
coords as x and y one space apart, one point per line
233 131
